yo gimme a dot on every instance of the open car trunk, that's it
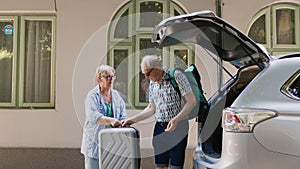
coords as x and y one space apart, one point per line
222 41
211 131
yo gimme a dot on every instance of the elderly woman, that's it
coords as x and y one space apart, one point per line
104 107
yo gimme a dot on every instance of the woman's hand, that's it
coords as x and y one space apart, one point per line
115 123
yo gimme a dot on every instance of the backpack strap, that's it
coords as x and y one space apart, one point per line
173 81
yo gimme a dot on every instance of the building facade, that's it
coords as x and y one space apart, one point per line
49 51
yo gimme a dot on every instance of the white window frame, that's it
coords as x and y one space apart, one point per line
297 26
132 42
270 12
190 54
267 14
138 9
115 22
22 61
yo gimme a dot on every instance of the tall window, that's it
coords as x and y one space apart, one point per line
130 40
277 27
27 61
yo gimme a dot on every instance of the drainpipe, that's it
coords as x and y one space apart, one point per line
55 5
219 8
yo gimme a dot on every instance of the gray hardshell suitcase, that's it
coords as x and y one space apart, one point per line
119 148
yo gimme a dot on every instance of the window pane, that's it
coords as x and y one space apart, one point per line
258 30
144 90
121 67
38 61
176 13
294 89
181 58
121 30
6 56
285 20
146 48
151 13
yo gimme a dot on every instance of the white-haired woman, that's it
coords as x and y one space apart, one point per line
103 107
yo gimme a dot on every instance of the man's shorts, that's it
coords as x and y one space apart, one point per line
169 147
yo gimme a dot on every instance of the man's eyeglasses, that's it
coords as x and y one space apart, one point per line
148 73
109 77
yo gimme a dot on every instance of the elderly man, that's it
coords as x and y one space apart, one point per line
170 131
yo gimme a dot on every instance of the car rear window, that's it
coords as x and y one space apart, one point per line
295 88
292 87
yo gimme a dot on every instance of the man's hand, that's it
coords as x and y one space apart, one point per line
172 125
127 122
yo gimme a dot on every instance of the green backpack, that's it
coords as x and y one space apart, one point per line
201 110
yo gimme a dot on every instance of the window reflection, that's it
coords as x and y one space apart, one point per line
121 67
295 88
151 13
144 94
146 48
258 30
285 26
121 30
176 13
38 48
149 48
6 56
181 58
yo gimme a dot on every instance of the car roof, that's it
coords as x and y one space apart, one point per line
214 34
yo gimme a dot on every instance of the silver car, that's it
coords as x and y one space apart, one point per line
254 116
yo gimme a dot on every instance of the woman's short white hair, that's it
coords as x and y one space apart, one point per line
104 69
151 61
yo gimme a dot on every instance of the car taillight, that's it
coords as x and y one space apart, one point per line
244 119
